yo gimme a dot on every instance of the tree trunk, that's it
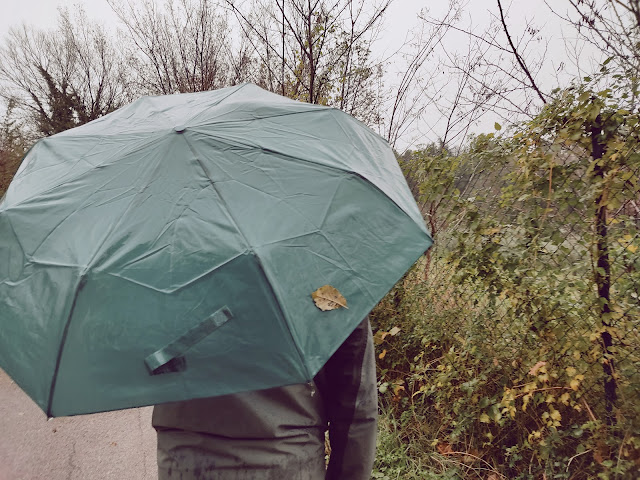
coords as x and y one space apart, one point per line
603 273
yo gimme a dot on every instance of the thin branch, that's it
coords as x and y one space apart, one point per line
517 55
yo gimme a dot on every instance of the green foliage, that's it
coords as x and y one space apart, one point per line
12 148
512 348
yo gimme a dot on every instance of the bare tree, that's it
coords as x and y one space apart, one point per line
417 86
64 77
183 47
317 51
611 27
457 75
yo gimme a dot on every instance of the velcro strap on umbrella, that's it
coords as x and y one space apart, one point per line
158 361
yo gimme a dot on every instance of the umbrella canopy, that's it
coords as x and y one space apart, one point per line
169 250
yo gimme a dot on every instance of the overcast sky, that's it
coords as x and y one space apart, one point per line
43 13
401 17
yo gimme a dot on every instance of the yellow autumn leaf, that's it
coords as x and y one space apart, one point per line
379 337
626 241
484 418
574 384
328 298
382 355
535 435
397 388
394 331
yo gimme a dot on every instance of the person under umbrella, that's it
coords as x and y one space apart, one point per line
171 252
279 433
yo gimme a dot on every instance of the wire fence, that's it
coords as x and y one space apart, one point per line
520 330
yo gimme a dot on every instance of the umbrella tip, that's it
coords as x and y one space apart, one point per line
180 128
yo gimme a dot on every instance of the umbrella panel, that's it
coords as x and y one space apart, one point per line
162 229
116 324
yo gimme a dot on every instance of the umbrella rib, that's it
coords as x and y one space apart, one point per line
191 282
285 317
6 215
81 283
232 92
78 131
279 200
255 118
79 176
63 340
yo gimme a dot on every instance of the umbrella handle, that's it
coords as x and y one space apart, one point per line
170 357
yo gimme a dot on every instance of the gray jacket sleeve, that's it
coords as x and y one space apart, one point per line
347 384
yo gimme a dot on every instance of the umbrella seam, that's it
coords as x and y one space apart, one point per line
313 110
67 134
325 109
45 143
168 128
285 156
223 203
163 112
113 228
316 108
80 208
232 92
294 237
279 302
420 224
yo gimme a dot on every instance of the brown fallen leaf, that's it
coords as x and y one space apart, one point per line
328 298
536 367
444 448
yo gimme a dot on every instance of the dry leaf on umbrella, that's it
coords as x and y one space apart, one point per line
328 298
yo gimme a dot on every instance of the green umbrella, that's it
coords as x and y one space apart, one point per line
169 250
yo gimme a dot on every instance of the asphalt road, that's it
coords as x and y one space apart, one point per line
105 446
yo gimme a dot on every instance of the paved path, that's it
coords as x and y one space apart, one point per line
105 446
